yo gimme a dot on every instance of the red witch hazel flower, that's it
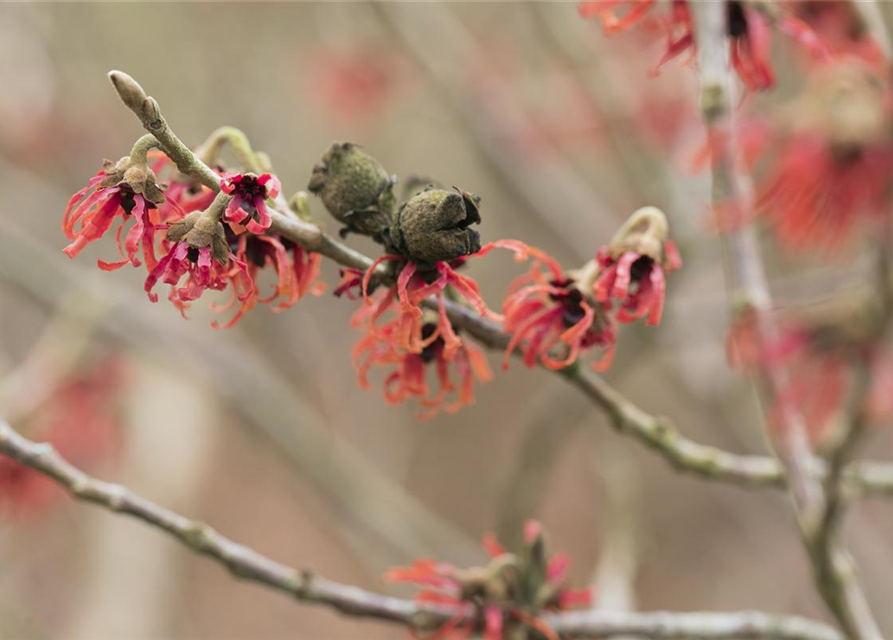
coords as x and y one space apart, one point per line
502 599
127 189
430 241
546 309
296 269
409 376
834 155
249 193
749 32
201 253
632 269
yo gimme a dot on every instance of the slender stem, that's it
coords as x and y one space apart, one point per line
247 564
209 151
833 569
141 148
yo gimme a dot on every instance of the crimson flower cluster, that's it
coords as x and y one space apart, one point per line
501 598
404 336
575 311
204 247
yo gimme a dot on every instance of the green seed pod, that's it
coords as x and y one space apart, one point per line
433 226
355 188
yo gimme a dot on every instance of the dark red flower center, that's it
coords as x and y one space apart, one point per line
128 199
430 352
641 269
250 187
570 298
737 20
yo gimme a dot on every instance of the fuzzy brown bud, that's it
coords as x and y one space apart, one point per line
134 96
355 189
200 230
433 226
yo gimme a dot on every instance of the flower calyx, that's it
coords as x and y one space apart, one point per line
134 174
201 229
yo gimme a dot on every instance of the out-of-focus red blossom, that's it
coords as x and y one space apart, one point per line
116 190
202 273
249 194
820 358
505 596
80 420
841 28
412 339
546 307
749 33
356 85
830 155
632 269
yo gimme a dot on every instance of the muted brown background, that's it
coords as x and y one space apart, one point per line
262 430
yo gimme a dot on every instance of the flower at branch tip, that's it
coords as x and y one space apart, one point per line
200 252
249 193
503 599
551 314
433 226
80 419
632 269
127 189
749 32
355 189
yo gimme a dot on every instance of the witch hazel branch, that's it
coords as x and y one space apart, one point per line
198 226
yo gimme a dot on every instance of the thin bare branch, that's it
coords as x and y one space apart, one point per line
657 433
247 564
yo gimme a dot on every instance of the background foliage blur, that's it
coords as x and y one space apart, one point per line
262 430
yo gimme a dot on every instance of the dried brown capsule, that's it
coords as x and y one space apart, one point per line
433 226
355 188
